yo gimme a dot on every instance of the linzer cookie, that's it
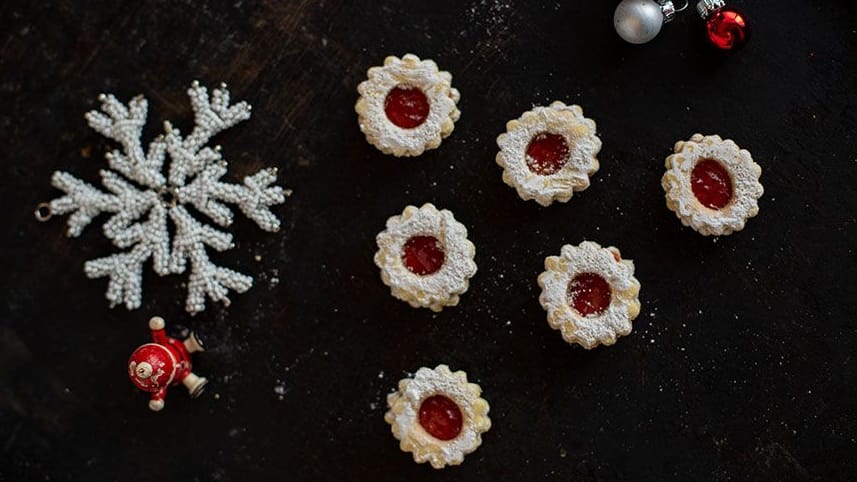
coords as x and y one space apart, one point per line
425 257
712 185
590 294
549 153
438 416
407 106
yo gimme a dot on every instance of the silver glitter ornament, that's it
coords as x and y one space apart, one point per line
639 21
141 200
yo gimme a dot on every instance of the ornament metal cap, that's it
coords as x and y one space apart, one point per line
707 7
669 10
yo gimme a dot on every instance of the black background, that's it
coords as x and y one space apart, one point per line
741 365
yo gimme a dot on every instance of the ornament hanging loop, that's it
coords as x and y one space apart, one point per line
669 9
43 212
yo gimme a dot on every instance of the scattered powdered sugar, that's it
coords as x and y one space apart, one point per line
280 389
491 15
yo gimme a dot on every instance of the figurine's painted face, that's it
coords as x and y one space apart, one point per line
143 370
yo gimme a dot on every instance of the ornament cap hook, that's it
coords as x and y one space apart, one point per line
669 9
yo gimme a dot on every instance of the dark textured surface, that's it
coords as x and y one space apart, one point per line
741 366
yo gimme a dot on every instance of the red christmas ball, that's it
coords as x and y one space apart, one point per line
728 28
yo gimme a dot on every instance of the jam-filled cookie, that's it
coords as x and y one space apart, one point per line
590 294
407 106
438 416
712 185
549 153
425 257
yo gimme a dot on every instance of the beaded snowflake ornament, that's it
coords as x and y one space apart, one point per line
141 198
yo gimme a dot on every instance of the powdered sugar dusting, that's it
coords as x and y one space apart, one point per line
745 174
592 330
441 288
411 72
583 143
404 415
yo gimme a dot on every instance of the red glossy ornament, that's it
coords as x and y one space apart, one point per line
589 294
441 417
711 184
727 27
423 255
406 107
156 366
547 153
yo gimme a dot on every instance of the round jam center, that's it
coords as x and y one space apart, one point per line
407 107
423 255
711 184
440 417
547 153
589 294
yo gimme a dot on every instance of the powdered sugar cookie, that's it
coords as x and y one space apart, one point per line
407 106
549 153
425 257
712 185
438 416
590 294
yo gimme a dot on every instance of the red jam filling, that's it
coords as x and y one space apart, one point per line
423 255
407 107
440 417
547 153
711 184
589 294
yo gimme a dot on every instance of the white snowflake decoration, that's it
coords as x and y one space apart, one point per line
143 190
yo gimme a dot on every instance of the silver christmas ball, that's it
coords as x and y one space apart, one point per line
638 21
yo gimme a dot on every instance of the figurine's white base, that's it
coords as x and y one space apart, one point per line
194 384
192 344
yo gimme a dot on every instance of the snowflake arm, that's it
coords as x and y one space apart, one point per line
125 269
82 199
124 124
212 115
254 197
206 278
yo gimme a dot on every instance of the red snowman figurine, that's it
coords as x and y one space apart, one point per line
154 367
